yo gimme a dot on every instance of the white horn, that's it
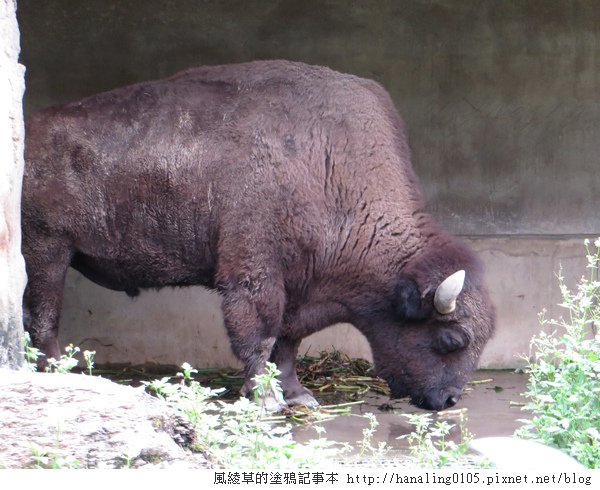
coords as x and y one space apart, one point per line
447 292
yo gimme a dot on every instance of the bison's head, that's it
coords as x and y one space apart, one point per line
428 343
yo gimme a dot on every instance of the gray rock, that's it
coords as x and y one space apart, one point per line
514 453
89 420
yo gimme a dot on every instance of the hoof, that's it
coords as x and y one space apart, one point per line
303 399
272 404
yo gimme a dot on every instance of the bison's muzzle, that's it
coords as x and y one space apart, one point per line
433 399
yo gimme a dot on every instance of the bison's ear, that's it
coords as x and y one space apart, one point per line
409 305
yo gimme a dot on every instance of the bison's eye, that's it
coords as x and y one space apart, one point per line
449 340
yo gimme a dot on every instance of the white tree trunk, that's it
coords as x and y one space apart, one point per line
12 268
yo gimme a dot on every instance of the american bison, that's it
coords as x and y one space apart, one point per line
286 187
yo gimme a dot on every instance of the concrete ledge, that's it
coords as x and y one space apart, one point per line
176 325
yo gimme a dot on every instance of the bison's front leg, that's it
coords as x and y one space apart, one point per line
284 355
253 317
301 322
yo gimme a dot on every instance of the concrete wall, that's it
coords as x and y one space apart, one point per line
12 270
500 99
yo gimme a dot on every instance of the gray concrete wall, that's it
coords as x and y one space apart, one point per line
500 99
12 270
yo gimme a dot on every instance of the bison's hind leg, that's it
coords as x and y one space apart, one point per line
47 260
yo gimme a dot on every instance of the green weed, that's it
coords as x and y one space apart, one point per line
366 444
88 356
564 372
430 443
238 435
65 364
30 353
46 458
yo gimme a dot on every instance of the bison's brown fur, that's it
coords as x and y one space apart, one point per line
287 187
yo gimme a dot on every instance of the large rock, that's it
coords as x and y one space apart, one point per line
89 419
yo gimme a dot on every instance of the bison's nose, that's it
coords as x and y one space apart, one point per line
452 396
440 400
451 401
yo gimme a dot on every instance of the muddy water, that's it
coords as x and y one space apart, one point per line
491 411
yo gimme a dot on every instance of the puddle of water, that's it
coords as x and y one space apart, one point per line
490 412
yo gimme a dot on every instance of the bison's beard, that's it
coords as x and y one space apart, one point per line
397 389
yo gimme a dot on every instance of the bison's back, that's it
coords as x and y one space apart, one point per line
146 180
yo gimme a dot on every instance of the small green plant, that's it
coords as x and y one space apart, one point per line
430 445
239 434
564 372
31 354
366 444
88 356
66 362
45 458
268 386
